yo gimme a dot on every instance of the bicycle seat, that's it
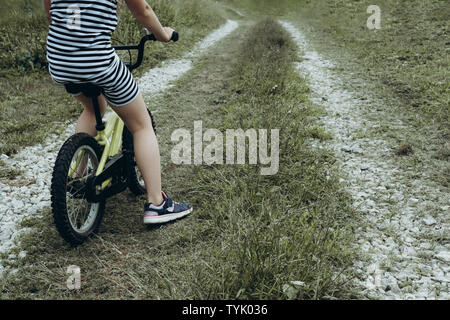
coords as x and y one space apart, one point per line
88 89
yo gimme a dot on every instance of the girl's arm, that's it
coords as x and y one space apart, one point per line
145 15
47 9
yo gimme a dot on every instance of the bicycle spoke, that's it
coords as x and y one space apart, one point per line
79 210
74 216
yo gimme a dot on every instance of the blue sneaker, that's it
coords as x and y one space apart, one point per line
169 210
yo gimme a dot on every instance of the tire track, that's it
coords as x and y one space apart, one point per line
405 235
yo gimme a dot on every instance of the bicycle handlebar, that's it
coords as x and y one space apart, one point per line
141 46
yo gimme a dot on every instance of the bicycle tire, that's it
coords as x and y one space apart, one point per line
59 190
136 187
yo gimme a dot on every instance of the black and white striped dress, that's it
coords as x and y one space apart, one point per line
79 48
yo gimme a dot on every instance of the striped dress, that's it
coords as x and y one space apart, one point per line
79 48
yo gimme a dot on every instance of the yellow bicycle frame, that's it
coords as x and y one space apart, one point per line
111 139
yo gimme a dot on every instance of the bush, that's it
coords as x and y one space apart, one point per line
23 32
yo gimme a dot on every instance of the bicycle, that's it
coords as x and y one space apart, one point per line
89 170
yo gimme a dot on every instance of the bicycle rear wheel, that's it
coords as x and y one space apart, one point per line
75 218
135 181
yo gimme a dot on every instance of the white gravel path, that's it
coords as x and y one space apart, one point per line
405 237
159 79
29 194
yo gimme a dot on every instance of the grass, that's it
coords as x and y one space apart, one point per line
8 173
278 229
250 235
408 58
30 109
23 30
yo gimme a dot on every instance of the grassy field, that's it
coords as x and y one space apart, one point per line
408 56
251 235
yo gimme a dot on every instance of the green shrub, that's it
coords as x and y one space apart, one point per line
23 31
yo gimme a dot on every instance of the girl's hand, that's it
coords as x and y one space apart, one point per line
169 32
145 15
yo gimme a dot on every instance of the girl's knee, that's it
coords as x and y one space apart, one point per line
140 127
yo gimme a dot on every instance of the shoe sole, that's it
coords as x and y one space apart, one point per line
167 217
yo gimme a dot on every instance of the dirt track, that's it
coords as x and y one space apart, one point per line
405 213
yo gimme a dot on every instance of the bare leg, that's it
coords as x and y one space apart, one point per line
86 122
146 150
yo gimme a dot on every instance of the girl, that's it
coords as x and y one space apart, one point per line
79 50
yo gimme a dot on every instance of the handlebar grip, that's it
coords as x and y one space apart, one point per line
174 36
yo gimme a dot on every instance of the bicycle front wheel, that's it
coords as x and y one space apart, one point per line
75 218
